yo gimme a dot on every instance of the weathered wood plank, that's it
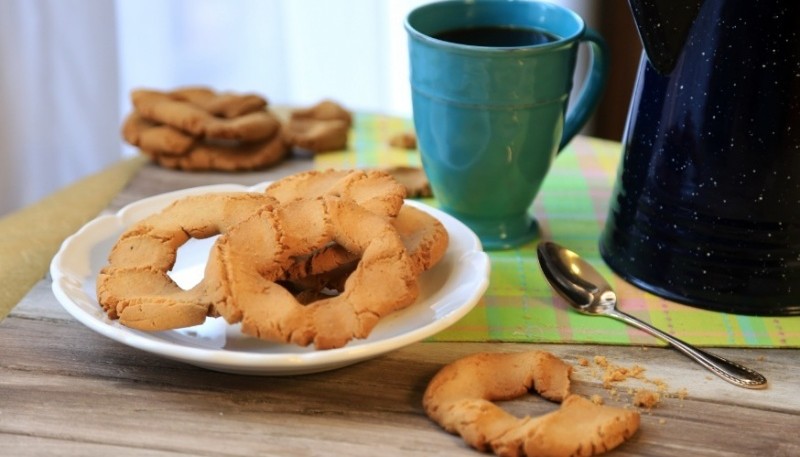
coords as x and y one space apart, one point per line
74 388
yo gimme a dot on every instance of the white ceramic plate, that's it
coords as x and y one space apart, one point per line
448 292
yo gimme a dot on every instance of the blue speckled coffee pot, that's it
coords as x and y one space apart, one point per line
706 207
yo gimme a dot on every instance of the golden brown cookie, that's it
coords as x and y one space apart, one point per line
326 110
157 139
460 396
263 236
199 136
222 104
375 190
242 264
135 288
320 128
424 237
404 140
162 108
222 156
318 136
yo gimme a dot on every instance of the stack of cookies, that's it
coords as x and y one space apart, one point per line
196 128
199 129
317 258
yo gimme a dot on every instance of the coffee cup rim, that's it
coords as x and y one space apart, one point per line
561 39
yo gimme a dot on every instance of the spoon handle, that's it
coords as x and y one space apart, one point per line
730 371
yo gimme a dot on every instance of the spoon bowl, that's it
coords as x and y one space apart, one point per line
585 289
576 280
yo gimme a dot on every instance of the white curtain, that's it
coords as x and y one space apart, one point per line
69 65
59 91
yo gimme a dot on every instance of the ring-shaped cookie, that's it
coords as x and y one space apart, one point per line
460 395
221 104
161 108
241 264
423 236
155 138
135 286
375 190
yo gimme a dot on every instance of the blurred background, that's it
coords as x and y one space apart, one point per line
68 67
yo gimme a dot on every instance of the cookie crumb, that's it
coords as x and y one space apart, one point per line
597 399
662 421
660 384
614 376
637 371
403 140
583 362
646 399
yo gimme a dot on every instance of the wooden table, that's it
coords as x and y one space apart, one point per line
65 390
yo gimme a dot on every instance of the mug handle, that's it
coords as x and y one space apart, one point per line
592 88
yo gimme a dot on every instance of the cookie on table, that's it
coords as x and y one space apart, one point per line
459 398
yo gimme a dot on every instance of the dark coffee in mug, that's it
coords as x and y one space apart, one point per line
496 36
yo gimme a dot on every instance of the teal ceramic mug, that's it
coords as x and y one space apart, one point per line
490 85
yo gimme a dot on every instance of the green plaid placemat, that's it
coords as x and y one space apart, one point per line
571 209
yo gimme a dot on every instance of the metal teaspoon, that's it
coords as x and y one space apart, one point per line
586 291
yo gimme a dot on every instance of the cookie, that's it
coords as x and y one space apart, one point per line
326 110
320 128
355 217
134 286
242 264
163 109
224 104
424 237
159 139
459 398
197 129
221 156
375 190
404 140
318 136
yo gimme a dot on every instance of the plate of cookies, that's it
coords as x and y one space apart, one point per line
313 272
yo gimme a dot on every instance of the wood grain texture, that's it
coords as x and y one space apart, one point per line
65 390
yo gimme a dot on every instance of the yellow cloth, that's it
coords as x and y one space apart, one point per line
30 237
